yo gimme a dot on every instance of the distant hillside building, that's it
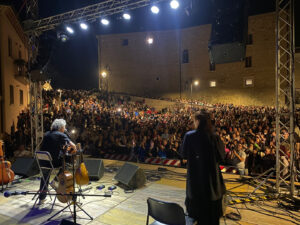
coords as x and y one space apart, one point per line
14 88
177 58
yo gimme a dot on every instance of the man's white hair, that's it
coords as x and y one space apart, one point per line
58 124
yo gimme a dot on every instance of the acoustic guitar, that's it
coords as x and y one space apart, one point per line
6 174
82 175
65 184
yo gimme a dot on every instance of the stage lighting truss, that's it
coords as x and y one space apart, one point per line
285 97
89 13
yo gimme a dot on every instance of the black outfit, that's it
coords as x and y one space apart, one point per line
53 142
205 186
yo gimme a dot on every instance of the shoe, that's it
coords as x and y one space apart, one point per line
41 201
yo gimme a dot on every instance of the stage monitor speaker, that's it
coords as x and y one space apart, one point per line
226 53
95 168
26 167
131 176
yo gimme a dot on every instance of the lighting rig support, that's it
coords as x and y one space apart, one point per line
285 96
88 14
35 86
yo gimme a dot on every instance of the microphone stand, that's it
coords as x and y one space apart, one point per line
74 199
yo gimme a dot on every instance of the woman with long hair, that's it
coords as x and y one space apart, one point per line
203 150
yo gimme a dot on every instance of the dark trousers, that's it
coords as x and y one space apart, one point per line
203 211
44 184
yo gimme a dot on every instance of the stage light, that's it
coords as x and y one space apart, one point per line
155 9
150 41
62 36
174 4
73 131
84 26
105 22
70 30
126 16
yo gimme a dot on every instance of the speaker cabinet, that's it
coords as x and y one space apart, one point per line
131 176
26 167
95 168
226 53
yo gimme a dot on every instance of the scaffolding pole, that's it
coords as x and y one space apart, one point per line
285 97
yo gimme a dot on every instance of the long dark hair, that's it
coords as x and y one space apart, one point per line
204 121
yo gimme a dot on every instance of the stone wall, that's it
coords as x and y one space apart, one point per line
154 70
10 28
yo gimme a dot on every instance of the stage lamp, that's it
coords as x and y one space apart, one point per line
84 26
70 30
155 9
174 4
62 36
126 16
150 41
105 21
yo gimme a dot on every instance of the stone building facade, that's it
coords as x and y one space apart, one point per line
13 57
176 58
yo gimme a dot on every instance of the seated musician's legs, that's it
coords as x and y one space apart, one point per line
44 184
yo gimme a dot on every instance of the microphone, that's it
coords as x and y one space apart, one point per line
10 193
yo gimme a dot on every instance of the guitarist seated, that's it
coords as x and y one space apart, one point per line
53 142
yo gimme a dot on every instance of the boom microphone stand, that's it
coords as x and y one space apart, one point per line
74 199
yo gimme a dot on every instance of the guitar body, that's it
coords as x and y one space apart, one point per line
82 175
6 174
65 186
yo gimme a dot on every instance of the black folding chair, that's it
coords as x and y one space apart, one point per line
165 212
44 156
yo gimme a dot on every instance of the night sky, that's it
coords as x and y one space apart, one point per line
74 64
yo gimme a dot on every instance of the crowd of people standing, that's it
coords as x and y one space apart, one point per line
112 123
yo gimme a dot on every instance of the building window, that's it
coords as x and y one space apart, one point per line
20 54
124 42
248 61
212 66
185 56
249 39
248 82
21 97
11 94
212 83
9 47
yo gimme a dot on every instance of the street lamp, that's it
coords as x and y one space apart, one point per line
196 83
103 74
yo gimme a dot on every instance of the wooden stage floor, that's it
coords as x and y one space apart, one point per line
131 208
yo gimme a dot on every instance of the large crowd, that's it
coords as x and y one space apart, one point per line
113 123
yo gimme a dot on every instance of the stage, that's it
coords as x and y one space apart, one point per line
131 208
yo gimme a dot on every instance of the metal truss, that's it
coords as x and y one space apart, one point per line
32 9
36 114
89 13
285 97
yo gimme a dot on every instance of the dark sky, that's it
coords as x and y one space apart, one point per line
74 64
